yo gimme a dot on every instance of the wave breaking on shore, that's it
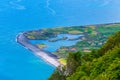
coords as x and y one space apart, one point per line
47 56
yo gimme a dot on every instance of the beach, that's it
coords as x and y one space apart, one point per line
46 56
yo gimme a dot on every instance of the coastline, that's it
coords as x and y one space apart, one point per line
46 56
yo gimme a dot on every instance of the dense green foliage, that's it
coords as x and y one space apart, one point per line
73 61
102 64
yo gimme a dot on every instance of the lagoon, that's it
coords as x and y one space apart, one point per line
53 46
18 63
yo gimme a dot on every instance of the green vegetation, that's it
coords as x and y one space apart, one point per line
94 36
39 35
62 61
41 45
101 64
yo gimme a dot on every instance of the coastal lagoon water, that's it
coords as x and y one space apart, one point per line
18 63
53 46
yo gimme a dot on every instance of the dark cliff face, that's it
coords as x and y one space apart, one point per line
102 64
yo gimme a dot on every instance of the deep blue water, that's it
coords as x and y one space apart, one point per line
17 63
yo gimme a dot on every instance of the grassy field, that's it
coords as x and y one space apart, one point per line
94 36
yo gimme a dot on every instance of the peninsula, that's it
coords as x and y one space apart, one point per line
83 56
47 56
74 38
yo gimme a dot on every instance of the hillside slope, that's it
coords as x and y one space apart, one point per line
102 64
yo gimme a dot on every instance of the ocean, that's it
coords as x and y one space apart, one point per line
18 63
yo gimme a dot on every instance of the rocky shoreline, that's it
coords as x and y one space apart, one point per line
47 56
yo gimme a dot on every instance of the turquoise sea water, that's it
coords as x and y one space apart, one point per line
17 63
